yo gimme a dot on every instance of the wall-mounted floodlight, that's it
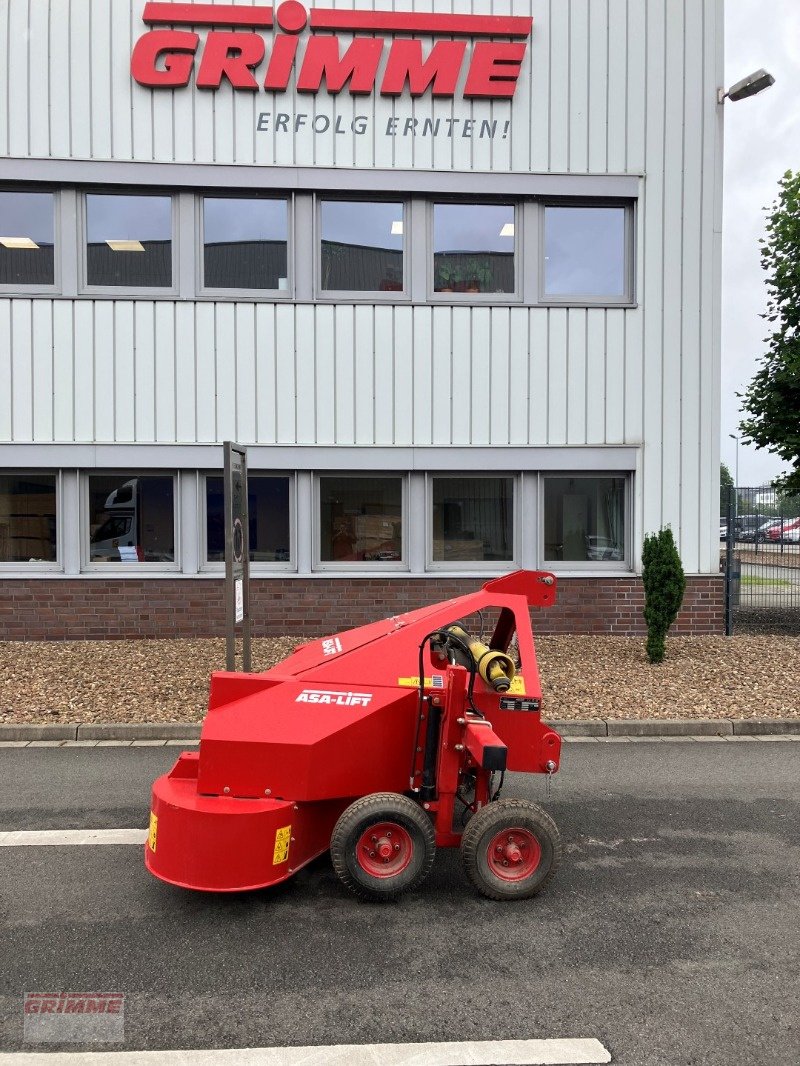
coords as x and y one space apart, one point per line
749 86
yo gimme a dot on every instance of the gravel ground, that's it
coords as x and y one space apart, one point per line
582 677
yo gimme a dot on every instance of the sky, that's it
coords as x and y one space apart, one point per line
762 142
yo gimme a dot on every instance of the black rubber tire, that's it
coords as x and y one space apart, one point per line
498 817
356 820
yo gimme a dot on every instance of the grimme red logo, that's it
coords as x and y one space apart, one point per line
165 58
74 1002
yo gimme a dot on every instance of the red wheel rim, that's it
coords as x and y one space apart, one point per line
513 854
384 850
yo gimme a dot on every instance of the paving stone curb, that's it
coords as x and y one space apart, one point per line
38 732
749 727
580 727
610 727
144 731
672 727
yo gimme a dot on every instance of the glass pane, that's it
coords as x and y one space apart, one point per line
473 248
245 243
361 519
473 519
362 246
268 505
584 519
27 238
129 240
584 251
131 519
27 518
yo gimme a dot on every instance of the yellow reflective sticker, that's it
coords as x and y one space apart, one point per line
413 682
281 852
518 686
151 836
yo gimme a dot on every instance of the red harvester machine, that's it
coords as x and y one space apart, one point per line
381 744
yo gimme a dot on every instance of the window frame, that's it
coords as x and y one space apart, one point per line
233 293
40 290
370 296
359 567
628 297
476 298
261 566
124 291
115 568
481 565
42 567
618 566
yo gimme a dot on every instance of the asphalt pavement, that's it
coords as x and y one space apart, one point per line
671 933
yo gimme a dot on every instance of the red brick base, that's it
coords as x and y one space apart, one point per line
82 609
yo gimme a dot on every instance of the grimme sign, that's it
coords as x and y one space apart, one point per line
235 51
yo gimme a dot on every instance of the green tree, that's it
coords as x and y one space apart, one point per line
664 585
725 482
771 404
787 505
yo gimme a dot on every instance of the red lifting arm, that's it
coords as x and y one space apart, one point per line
537 586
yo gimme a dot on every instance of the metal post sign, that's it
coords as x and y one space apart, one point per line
237 553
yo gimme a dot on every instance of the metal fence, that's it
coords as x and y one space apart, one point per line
760 557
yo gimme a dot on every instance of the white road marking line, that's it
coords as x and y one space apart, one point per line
54 837
568 1052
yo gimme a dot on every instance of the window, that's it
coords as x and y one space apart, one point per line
473 248
131 519
473 519
361 520
269 525
245 244
362 246
129 241
27 238
585 253
27 518
584 520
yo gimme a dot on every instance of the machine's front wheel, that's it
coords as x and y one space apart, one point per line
382 845
510 849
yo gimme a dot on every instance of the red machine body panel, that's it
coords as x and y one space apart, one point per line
308 742
219 844
284 752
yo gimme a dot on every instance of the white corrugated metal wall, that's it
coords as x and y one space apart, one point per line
611 86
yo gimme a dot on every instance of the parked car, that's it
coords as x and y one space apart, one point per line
746 526
781 530
723 531
763 530
757 531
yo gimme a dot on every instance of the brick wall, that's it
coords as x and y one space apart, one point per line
81 609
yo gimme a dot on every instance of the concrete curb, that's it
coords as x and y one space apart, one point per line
677 727
596 727
145 731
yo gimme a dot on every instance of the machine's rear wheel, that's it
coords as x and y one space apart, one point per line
510 849
382 845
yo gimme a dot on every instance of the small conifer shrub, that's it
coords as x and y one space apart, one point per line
664 585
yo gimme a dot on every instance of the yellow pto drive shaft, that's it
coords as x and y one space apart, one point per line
495 667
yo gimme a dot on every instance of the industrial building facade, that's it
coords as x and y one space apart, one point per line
452 278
